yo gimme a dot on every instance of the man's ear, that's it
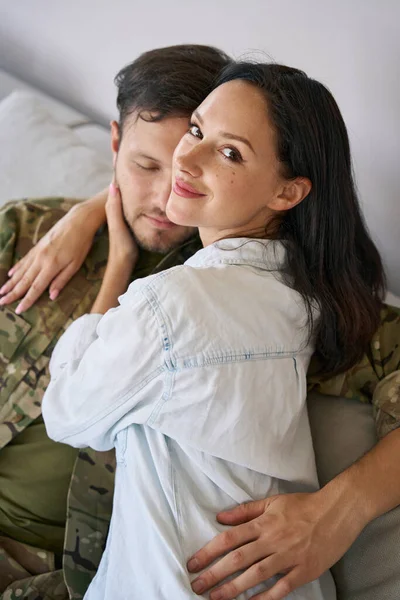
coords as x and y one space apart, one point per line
292 193
115 140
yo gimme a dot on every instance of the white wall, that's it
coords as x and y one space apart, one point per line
73 49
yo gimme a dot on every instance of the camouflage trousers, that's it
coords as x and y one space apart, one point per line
30 573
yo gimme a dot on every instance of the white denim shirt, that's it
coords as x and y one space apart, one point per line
198 379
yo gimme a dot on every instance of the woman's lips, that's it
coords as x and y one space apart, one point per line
185 190
160 223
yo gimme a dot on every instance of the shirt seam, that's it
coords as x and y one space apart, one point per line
122 400
194 362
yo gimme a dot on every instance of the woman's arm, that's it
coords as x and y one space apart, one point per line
100 369
57 256
300 535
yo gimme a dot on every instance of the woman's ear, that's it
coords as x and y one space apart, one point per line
292 193
115 140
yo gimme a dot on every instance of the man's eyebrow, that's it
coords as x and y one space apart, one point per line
147 157
230 136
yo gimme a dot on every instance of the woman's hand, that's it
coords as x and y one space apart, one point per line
122 258
56 257
298 536
123 248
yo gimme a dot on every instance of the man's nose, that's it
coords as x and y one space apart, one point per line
163 193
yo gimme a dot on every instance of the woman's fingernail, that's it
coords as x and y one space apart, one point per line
1 289
198 586
193 564
19 309
54 294
2 301
113 189
10 272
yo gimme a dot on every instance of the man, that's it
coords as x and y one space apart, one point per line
157 94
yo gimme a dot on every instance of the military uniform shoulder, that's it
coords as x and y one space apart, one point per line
38 205
390 314
23 223
31 218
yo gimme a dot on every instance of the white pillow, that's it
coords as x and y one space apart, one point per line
41 157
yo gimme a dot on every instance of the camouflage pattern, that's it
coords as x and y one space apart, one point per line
376 378
20 562
26 343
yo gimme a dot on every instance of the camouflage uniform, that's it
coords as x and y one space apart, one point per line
26 344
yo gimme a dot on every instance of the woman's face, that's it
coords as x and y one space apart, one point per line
226 176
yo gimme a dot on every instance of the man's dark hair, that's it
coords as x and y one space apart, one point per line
167 82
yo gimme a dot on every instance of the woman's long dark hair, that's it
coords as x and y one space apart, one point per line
331 258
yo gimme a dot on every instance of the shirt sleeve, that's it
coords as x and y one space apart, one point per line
9 225
106 373
376 378
386 400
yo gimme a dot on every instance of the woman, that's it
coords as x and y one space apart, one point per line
210 410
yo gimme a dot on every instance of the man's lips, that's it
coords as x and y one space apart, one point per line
185 190
160 223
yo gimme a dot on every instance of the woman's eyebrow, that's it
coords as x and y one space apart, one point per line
230 136
198 117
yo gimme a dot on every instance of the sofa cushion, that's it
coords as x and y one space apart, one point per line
343 430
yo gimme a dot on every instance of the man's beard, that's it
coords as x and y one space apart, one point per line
160 245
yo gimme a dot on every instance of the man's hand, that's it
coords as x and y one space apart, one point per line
56 257
122 258
298 536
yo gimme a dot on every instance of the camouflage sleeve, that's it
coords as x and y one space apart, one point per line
385 352
28 572
8 233
25 572
376 378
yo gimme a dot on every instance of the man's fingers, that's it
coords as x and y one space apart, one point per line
258 573
283 587
232 563
223 543
61 280
242 513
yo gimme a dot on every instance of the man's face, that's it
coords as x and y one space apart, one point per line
143 172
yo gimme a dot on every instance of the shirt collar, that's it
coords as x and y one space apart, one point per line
263 254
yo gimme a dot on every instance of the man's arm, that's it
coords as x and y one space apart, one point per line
8 228
301 535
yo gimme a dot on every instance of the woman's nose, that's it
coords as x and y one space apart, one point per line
189 161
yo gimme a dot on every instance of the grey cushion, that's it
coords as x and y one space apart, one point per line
343 430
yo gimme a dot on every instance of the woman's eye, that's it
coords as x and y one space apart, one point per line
232 154
195 131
